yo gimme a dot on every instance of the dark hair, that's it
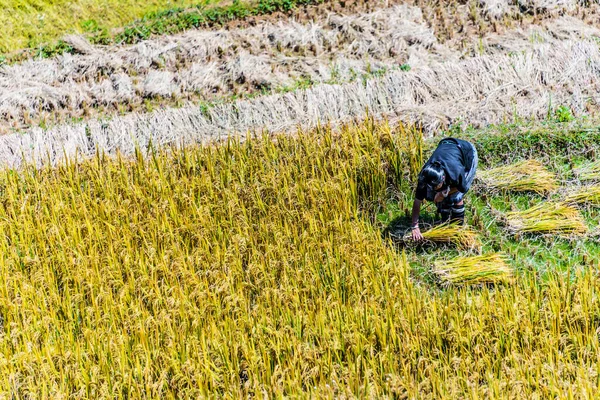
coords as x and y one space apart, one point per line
431 175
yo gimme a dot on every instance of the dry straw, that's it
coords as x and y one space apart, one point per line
524 176
474 270
547 217
426 95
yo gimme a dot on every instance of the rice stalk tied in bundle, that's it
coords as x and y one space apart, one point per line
524 176
584 195
461 236
547 217
474 270
588 172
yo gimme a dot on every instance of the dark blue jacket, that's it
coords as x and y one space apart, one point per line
456 158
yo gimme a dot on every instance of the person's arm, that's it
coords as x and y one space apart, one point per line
415 231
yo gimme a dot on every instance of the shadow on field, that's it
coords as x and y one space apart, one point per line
399 231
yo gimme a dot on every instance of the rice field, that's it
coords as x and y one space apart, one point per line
257 268
398 95
223 213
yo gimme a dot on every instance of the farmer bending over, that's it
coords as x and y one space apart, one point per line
444 179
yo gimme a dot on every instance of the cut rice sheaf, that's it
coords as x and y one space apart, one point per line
583 195
524 176
588 172
547 217
474 270
462 237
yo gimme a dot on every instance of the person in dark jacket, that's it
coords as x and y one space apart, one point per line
445 178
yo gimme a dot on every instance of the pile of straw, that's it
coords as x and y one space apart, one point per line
524 176
546 217
474 270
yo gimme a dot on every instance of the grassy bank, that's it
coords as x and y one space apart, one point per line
40 26
259 268
36 23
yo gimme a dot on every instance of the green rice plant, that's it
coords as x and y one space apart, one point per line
583 195
31 24
474 270
547 217
588 172
524 176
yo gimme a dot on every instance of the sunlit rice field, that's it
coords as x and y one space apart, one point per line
154 245
260 269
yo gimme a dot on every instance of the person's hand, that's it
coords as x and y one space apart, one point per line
416 234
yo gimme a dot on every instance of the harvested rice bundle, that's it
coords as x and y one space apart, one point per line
589 195
524 176
546 218
488 268
588 172
461 236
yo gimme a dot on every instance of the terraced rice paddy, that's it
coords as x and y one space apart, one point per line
224 211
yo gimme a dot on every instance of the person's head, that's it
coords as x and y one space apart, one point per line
432 176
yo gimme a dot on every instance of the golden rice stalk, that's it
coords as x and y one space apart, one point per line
546 218
524 176
413 148
589 195
461 236
474 270
588 172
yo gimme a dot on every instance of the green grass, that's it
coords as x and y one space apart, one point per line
34 23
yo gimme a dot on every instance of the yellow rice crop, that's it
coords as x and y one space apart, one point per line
524 176
547 217
413 148
488 268
250 270
461 236
411 145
